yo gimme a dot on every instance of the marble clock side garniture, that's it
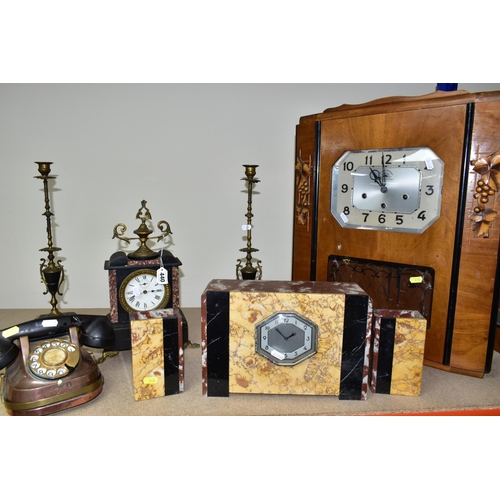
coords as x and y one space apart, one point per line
157 353
397 352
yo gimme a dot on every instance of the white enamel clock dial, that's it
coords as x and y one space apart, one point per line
140 291
387 189
286 338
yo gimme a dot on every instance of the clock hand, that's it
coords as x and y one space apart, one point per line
149 291
383 187
284 336
280 333
375 176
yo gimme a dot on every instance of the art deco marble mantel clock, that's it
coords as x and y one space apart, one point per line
143 280
400 195
284 337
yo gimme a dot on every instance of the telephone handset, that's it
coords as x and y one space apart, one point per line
49 371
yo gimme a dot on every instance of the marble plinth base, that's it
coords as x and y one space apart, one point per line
157 353
230 364
398 352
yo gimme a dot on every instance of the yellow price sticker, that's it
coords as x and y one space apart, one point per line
150 380
13 330
416 279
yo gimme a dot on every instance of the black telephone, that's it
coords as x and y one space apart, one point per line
50 371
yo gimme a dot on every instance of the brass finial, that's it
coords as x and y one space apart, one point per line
143 232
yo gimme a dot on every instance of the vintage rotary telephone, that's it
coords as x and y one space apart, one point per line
50 371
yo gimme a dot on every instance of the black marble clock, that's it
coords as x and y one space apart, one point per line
143 280
122 273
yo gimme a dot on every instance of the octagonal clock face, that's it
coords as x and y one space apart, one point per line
286 338
387 189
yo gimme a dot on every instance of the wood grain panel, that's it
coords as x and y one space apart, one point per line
465 292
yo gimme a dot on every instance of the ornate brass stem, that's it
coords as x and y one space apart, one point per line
249 272
51 273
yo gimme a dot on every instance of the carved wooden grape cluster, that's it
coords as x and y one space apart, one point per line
303 171
483 192
488 184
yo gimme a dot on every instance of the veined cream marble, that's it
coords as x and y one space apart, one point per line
251 373
407 352
408 360
147 358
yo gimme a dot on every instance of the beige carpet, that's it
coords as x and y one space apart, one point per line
440 390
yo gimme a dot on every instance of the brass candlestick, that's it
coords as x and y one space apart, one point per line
143 232
51 273
249 272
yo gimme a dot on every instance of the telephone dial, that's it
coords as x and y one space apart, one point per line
50 371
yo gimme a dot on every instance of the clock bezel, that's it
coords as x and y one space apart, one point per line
310 345
121 292
425 210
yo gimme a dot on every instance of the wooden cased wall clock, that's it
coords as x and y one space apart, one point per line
400 195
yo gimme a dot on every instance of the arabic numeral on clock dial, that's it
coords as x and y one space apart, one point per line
382 218
430 190
386 159
344 188
348 165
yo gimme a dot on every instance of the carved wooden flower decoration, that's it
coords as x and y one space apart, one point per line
489 169
482 220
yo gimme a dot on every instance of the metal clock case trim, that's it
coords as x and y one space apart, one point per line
286 338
